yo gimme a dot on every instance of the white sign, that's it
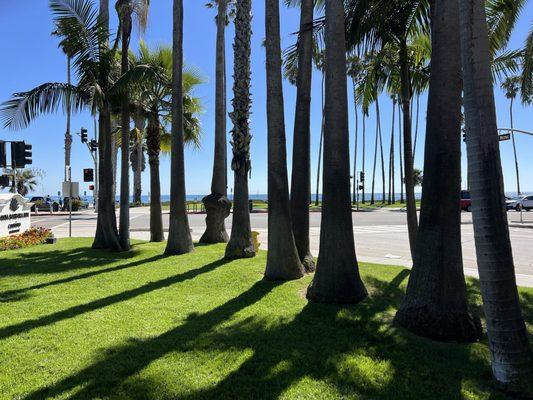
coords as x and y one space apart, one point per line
14 214
75 189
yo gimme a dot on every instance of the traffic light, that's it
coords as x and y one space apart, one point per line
93 145
362 176
20 154
83 134
88 175
91 187
3 162
464 135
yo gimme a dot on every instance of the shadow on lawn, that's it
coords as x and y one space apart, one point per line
74 311
356 349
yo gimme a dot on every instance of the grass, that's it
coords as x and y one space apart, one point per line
83 324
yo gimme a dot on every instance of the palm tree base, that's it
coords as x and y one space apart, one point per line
309 263
218 209
332 295
239 248
440 326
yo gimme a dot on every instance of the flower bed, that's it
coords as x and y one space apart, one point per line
29 238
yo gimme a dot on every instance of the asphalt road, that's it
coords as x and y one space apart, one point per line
380 236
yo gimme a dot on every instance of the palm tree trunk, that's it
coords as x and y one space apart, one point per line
106 227
240 244
337 277
68 136
514 149
400 153
124 216
381 152
435 305
283 262
416 125
153 144
301 156
391 198
139 122
356 137
363 164
320 144
217 204
412 219
179 235
507 334
372 194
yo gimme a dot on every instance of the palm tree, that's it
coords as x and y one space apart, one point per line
511 85
283 262
301 150
382 23
240 244
319 64
392 196
148 80
428 309
507 334
94 63
217 204
527 71
26 180
137 155
179 235
337 277
354 73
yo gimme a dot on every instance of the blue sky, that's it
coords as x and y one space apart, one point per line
31 57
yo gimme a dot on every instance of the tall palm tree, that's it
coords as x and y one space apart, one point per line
94 63
435 304
319 64
337 277
382 23
137 155
354 73
511 85
240 244
283 262
217 204
507 334
301 149
392 197
179 235
149 81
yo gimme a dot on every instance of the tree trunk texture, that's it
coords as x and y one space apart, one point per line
435 305
139 122
392 197
124 215
153 144
68 136
240 244
400 153
412 219
356 137
283 262
383 200
217 204
179 234
301 150
512 364
320 151
363 160
106 236
337 277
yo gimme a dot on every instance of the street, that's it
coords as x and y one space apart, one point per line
380 236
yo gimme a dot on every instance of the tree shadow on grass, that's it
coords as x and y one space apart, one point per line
355 349
75 311
59 261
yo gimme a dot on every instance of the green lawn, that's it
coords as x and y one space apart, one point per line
83 324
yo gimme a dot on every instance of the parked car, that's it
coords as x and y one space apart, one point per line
510 203
45 204
466 203
525 203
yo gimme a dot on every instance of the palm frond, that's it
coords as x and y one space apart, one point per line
502 16
505 64
18 112
527 73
